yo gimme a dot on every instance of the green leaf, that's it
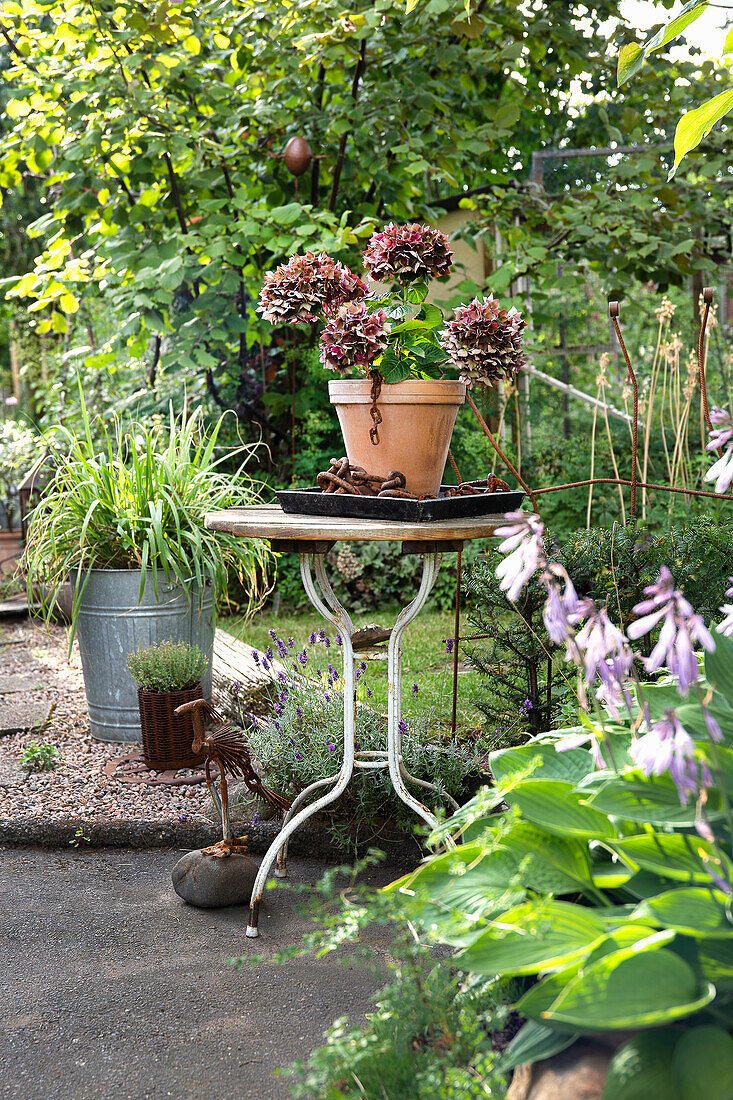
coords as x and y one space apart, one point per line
540 761
632 56
644 990
651 801
696 125
559 808
642 1068
692 910
728 44
534 1043
533 937
719 667
546 863
703 1064
674 855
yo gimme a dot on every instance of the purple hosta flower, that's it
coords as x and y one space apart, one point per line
353 338
255 657
563 609
668 747
415 689
408 254
714 731
681 627
525 553
296 292
570 741
726 626
721 438
484 342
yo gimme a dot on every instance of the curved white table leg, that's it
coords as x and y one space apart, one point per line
340 619
394 673
409 778
281 870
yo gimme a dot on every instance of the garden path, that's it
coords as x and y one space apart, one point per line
112 986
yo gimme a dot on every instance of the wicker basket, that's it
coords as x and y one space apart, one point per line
167 736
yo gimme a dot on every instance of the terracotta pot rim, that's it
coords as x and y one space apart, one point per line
428 391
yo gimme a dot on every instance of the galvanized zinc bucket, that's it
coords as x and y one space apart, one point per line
112 624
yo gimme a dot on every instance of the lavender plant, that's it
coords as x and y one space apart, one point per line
608 881
390 328
302 741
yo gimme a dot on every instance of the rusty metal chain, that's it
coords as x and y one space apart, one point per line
342 479
374 410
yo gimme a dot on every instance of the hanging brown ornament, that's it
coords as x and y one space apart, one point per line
298 156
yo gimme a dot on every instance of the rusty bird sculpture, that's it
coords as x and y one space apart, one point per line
223 743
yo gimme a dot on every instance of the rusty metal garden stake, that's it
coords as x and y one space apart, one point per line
613 312
707 297
502 456
456 635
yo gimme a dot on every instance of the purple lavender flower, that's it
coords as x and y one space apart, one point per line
282 677
265 664
449 643
668 747
298 712
235 688
415 689
312 638
681 627
303 657
278 709
255 818
255 656
721 438
363 666
322 634
525 553
338 640
370 693
331 747
402 726
319 674
291 643
269 653
299 756
273 634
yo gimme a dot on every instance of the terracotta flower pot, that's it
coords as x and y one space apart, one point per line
418 417
11 550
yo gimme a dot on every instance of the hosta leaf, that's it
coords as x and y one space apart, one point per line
647 989
534 937
559 808
642 1068
538 761
546 863
674 855
719 667
534 1043
703 1064
651 801
693 910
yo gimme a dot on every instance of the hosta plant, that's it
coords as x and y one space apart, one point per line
598 869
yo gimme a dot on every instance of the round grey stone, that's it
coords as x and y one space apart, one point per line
211 882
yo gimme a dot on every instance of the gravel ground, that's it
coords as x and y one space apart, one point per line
77 786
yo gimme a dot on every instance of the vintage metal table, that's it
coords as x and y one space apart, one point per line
312 538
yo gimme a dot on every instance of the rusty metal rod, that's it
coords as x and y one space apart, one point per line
456 632
502 456
707 296
639 485
613 311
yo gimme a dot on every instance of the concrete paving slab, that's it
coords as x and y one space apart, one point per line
12 772
11 685
111 986
22 715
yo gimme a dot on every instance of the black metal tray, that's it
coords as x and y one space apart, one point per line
314 502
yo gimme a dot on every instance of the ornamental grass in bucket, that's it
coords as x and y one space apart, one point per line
400 410
124 521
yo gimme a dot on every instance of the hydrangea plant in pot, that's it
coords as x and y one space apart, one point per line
400 414
124 521
167 676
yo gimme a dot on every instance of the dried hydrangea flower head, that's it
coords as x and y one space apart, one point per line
408 254
353 338
296 292
484 342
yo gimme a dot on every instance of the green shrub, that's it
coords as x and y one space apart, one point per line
169 666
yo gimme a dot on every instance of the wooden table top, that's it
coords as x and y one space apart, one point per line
268 521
